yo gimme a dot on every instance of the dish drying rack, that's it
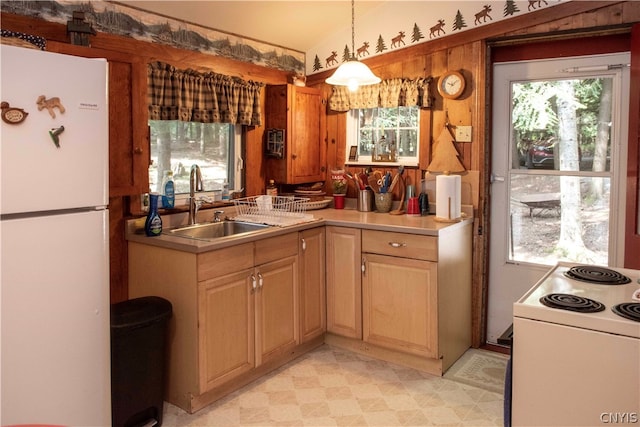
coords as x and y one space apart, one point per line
272 210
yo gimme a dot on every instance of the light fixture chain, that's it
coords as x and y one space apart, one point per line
353 29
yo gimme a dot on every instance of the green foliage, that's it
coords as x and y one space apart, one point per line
534 110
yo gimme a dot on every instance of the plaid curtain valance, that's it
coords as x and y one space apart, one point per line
191 96
386 94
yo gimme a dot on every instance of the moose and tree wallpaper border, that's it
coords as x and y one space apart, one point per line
454 16
117 18
392 26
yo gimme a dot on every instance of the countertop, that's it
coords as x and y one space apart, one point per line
420 225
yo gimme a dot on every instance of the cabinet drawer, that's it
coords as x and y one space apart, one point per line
225 261
275 248
400 244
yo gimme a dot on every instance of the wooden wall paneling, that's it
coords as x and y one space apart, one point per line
630 12
254 168
121 164
118 258
426 138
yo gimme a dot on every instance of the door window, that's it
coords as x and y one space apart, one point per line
560 179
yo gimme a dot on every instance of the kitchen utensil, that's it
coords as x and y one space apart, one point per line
396 178
400 210
373 183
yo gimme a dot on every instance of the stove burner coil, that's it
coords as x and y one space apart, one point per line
628 310
598 275
572 303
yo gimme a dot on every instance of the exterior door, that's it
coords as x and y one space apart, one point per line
558 158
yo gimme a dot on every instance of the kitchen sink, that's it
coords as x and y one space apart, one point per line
215 230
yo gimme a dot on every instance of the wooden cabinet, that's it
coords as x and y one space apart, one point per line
128 129
299 111
276 319
399 294
344 281
313 319
400 297
235 313
226 312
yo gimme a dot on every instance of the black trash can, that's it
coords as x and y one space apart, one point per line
138 335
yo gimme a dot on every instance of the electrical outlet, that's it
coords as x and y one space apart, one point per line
463 133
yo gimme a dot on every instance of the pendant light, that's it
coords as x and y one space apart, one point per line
353 73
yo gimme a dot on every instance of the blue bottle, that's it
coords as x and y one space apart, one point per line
153 224
168 190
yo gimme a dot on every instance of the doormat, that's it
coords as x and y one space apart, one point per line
480 368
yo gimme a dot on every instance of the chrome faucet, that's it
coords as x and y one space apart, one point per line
195 184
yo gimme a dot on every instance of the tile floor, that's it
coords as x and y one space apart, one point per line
335 387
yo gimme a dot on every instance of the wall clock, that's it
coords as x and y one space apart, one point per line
451 85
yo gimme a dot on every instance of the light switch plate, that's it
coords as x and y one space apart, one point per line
463 133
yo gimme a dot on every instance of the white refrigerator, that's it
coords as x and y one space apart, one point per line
54 232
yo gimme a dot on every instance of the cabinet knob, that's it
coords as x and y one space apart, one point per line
260 280
137 150
294 156
304 245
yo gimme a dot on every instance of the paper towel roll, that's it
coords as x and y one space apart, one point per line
448 196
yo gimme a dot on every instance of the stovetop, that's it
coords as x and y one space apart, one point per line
601 301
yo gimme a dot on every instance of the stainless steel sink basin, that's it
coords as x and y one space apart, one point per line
214 230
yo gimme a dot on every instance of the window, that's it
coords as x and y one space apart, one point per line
387 135
214 147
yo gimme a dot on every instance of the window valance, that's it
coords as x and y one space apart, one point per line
192 96
387 94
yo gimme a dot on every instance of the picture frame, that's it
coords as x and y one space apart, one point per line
353 153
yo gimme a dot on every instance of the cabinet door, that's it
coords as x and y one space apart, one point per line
307 159
226 328
128 139
312 284
344 292
400 304
297 110
276 308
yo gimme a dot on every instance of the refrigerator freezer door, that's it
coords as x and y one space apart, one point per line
55 320
37 175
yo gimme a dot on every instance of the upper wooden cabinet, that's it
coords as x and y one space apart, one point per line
299 111
128 128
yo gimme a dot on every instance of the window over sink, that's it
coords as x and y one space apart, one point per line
214 147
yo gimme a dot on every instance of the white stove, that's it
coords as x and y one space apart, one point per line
575 354
608 295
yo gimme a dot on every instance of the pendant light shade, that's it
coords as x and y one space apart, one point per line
353 73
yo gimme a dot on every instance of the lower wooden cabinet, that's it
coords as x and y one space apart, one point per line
344 281
236 312
276 293
400 304
313 307
400 297
226 333
244 310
